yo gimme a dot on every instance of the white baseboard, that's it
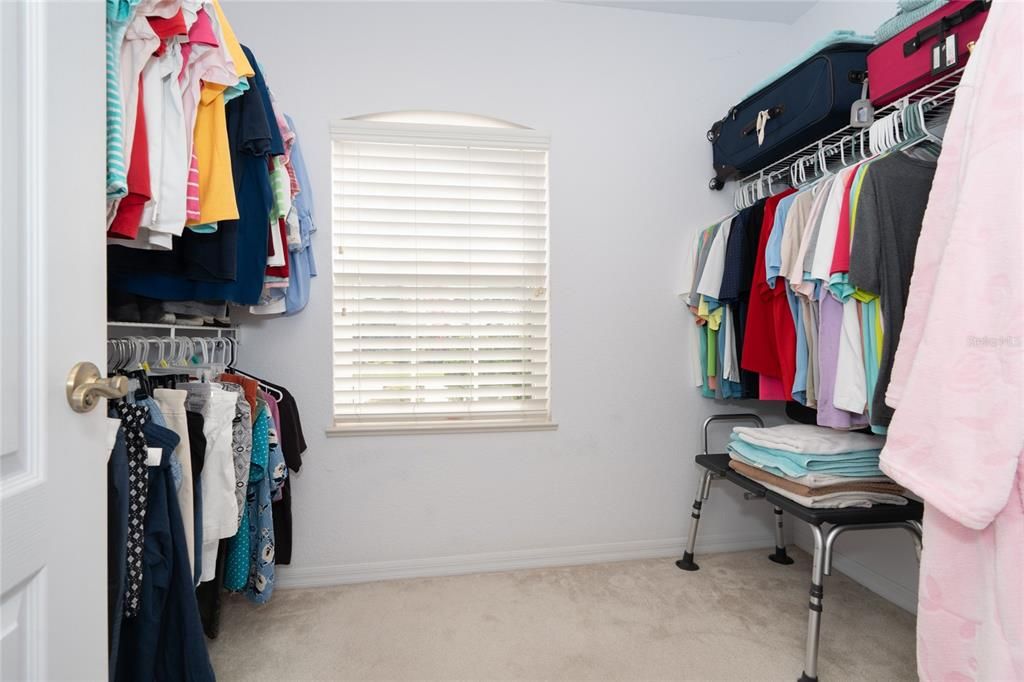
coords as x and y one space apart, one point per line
346 574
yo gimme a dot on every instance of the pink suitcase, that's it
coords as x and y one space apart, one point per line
940 42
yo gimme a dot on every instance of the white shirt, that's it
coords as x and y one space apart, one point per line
220 506
711 280
164 214
140 42
851 391
688 275
824 248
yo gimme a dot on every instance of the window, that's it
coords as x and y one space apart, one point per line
440 276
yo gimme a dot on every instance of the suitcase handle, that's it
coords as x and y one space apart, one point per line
774 112
942 26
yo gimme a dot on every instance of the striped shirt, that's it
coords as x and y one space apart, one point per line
119 13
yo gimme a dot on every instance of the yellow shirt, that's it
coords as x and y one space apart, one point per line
210 140
242 66
213 158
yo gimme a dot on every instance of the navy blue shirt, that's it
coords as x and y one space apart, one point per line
737 276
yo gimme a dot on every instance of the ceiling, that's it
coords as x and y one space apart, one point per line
781 11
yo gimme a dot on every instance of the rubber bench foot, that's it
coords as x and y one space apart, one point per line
780 556
805 678
686 563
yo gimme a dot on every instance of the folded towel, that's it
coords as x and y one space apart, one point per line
911 5
850 456
850 486
795 464
807 439
907 18
839 500
813 478
839 37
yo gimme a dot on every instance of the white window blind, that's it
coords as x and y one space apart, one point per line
440 276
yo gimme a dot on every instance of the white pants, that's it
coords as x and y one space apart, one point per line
172 405
220 507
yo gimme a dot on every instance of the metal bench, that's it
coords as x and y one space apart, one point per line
716 466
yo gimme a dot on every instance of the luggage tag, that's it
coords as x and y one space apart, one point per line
944 54
862 112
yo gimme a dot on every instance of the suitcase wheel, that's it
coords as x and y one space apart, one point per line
711 136
716 184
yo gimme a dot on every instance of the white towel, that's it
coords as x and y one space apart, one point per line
807 440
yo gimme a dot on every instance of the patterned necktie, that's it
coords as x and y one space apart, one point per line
133 419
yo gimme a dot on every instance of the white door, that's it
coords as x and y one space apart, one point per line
52 307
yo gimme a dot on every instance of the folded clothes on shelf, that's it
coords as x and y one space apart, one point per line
805 438
812 479
839 500
850 485
861 463
815 466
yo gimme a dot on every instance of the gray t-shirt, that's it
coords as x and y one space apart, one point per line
890 210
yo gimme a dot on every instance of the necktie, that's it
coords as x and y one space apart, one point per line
133 419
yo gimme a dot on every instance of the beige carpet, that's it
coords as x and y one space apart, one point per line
741 617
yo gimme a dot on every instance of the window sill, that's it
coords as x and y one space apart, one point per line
415 429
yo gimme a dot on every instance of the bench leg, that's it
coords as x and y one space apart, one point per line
815 607
703 490
780 556
918 533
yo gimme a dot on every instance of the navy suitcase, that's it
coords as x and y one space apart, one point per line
811 101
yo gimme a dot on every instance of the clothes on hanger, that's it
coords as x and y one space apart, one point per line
204 172
215 526
813 313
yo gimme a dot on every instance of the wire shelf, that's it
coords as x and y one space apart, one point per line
173 328
936 98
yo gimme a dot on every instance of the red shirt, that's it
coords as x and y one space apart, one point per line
759 347
841 254
166 28
129 211
280 270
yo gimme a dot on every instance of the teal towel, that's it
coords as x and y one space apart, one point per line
833 38
905 19
793 464
852 472
911 5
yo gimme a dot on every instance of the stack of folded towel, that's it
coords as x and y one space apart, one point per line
815 466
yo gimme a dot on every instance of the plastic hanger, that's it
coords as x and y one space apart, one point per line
921 138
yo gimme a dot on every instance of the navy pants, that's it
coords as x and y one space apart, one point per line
165 640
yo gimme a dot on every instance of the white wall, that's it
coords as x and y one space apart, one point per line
884 561
862 16
626 97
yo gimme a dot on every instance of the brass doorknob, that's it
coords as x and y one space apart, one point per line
86 385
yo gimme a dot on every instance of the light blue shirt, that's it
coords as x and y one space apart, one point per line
799 388
773 250
303 266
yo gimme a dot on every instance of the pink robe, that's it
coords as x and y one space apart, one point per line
957 438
